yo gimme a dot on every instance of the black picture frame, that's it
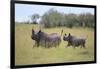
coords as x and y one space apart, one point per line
12 33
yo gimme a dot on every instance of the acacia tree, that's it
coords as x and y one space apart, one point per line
34 18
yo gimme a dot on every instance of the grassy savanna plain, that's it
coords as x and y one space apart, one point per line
25 54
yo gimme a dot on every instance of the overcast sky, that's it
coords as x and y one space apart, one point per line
24 11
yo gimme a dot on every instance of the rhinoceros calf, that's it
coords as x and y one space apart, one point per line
74 41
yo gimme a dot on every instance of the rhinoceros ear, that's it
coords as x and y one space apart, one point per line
65 34
32 30
39 31
69 34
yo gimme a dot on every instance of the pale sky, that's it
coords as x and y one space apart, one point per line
24 11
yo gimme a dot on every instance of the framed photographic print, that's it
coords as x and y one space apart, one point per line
50 34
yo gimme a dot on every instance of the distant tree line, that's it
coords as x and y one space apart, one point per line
53 18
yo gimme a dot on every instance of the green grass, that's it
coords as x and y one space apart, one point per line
25 53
